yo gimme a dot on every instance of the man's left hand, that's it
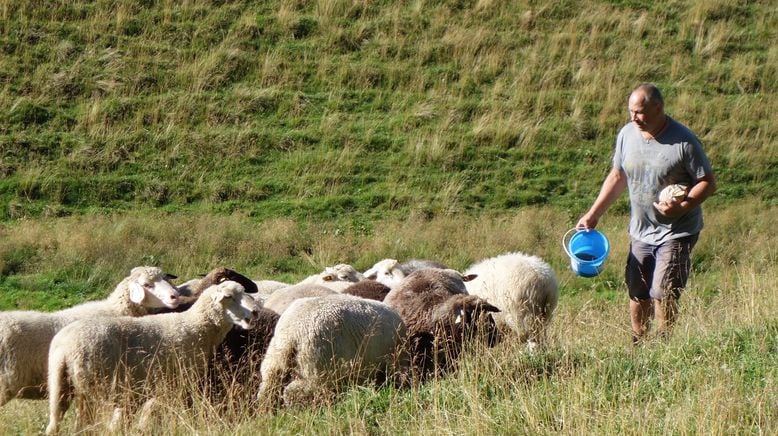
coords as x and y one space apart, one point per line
671 209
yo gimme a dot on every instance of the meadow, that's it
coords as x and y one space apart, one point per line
279 137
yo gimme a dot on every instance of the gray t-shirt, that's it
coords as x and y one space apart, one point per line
676 156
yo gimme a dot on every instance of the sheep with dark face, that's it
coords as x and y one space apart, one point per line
370 289
441 317
234 369
192 289
235 364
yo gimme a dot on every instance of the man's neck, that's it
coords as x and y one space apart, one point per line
654 133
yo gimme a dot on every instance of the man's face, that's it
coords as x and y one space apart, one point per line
647 117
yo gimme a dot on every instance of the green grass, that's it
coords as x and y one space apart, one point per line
319 109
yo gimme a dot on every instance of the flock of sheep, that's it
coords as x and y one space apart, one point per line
395 323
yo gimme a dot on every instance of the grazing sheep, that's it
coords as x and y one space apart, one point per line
440 283
370 289
324 343
337 277
390 272
525 289
92 359
267 287
192 289
441 317
25 335
280 300
234 369
235 363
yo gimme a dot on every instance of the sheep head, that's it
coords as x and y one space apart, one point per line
148 286
341 273
220 275
241 309
472 318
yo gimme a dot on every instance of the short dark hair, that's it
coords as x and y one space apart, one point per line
652 93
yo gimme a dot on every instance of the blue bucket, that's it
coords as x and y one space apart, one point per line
587 250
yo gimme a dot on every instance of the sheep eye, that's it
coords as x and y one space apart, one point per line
148 285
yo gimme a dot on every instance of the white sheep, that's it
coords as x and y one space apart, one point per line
324 343
267 287
337 277
281 299
25 335
391 272
523 287
96 359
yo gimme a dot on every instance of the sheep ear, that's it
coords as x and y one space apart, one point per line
460 316
469 277
217 297
170 276
137 294
486 307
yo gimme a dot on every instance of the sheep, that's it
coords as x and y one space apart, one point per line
337 277
267 287
390 272
280 300
89 359
322 344
25 335
192 289
234 368
234 360
441 317
525 289
438 282
370 289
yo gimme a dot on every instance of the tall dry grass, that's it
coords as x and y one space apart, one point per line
715 375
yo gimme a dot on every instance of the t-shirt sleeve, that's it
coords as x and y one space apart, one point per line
618 152
698 164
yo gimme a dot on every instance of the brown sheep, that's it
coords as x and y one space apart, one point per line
441 317
369 289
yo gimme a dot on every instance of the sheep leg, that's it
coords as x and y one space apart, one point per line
269 395
60 392
276 370
146 414
299 392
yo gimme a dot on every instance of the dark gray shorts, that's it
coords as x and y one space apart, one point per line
654 271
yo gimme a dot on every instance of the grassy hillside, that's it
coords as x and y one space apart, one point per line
366 108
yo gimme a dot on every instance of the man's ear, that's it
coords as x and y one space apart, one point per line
137 294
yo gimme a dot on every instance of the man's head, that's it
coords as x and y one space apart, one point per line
647 108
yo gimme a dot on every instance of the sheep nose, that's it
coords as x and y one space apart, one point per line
173 297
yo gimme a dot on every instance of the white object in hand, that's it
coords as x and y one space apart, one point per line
672 193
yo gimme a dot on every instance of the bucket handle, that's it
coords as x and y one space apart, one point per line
564 244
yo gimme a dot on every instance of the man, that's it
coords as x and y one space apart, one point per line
653 151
